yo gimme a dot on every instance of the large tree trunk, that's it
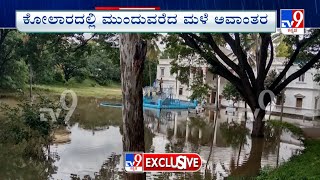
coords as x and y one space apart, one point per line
67 74
132 56
258 124
251 167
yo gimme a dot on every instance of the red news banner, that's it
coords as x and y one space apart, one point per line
162 162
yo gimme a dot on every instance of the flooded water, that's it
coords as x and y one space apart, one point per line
225 146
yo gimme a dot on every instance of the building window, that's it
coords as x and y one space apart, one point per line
301 78
162 72
299 102
180 91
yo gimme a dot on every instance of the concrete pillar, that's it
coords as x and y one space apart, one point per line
190 79
218 92
204 71
177 88
175 125
215 132
187 128
200 133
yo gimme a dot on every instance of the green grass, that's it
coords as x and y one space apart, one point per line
86 89
304 166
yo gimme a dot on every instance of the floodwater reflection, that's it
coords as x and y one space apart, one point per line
225 145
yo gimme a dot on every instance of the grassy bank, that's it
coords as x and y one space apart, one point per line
86 89
303 166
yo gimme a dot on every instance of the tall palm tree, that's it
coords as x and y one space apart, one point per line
153 53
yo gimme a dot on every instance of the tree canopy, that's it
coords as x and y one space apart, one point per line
249 70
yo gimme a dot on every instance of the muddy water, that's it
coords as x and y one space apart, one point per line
226 148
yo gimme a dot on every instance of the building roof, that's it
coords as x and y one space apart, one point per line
299 95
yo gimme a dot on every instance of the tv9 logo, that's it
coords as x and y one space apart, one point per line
133 162
292 21
138 162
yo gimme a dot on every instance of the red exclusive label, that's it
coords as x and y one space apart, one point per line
172 162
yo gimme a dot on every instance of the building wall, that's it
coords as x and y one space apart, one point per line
307 88
169 80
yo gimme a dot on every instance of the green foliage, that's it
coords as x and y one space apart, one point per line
81 74
199 89
286 126
56 58
149 72
309 50
183 71
184 61
14 76
104 66
166 54
304 166
15 166
231 93
283 50
272 75
23 127
175 48
234 133
58 76
13 70
152 56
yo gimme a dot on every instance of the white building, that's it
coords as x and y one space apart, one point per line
181 91
301 95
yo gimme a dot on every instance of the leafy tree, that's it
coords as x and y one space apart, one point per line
70 54
199 89
150 72
103 64
182 71
241 73
282 50
231 93
152 56
165 55
184 62
13 70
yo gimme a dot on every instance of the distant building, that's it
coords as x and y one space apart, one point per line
301 95
182 91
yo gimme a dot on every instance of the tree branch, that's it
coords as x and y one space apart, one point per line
271 56
298 73
242 57
211 59
84 43
220 69
3 34
263 55
224 57
299 44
